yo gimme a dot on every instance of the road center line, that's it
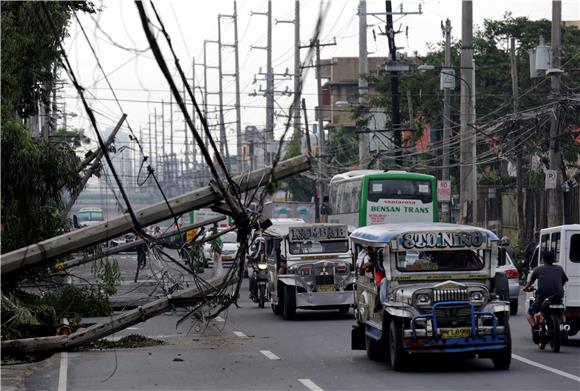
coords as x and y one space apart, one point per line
240 334
269 354
62 373
546 368
310 385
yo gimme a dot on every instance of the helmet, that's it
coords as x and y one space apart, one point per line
505 241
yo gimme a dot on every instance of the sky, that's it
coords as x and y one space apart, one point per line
119 42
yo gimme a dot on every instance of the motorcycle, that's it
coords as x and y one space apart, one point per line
262 293
550 328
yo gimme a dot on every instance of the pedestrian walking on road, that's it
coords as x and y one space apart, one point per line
216 247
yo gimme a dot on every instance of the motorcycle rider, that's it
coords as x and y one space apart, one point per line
551 279
256 252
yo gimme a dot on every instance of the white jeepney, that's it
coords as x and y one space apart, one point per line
440 293
309 266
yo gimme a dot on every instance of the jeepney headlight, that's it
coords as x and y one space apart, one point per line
423 299
262 266
476 297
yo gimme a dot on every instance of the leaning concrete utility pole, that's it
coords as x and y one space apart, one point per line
363 84
56 247
467 169
554 196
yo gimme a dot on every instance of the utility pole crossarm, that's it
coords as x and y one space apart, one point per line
53 248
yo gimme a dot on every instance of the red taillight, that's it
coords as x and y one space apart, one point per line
341 268
512 273
304 270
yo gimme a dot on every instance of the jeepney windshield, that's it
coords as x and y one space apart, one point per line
446 260
318 247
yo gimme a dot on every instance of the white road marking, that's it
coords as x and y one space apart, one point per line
62 373
240 334
132 328
546 368
310 385
269 354
219 319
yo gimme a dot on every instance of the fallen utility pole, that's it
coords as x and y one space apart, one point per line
53 248
131 245
184 297
96 162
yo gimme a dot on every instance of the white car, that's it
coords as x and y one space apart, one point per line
229 250
511 272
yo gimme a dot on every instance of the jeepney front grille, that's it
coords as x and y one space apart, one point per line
324 280
450 295
453 315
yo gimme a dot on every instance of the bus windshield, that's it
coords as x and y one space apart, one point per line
457 260
399 189
316 247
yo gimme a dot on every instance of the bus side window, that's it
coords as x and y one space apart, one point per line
544 243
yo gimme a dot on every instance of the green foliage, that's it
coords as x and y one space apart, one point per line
29 51
130 341
342 146
34 174
300 187
26 315
108 271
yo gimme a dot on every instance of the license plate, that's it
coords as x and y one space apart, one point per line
461 332
325 288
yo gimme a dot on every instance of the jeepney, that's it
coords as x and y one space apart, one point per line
441 294
309 267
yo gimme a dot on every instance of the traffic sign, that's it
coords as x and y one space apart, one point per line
551 179
444 191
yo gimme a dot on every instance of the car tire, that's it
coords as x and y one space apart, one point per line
513 307
375 349
289 307
502 359
397 354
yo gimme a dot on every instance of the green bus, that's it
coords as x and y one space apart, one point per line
369 197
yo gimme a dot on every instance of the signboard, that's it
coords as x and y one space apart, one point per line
551 179
399 211
444 191
318 232
443 240
201 215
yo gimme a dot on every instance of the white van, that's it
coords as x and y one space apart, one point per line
564 242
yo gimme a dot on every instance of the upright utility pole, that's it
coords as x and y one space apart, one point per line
163 157
206 141
395 97
156 146
269 93
297 70
269 85
223 139
467 169
519 164
363 85
446 103
554 196
238 104
236 75
297 67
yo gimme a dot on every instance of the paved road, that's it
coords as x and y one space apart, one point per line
252 349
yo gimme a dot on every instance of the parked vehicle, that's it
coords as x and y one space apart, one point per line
564 242
440 294
309 266
88 217
506 265
549 321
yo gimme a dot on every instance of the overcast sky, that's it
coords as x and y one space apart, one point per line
140 86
